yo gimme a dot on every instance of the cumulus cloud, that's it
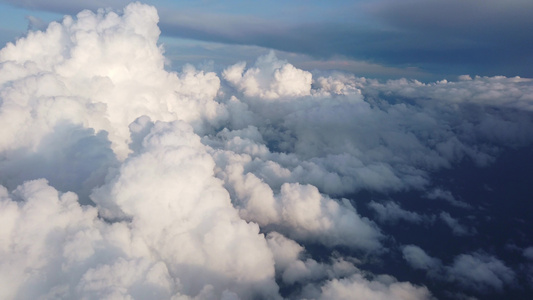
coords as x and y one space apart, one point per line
293 265
359 287
392 212
300 211
163 225
418 259
476 271
457 228
178 207
447 196
179 233
121 179
528 253
343 133
481 272
83 71
270 78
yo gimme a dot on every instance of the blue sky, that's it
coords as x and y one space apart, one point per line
383 38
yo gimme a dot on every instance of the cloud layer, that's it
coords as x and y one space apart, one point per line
122 180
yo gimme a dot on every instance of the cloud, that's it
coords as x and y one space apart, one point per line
81 71
299 211
528 253
163 224
438 193
476 271
392 212
269 79
481 272
177 207
381 287
293 266
121 179
168 243
446 34
418 259
64 7
455 226
71 158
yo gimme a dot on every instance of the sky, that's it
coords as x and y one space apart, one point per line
266 150
426 40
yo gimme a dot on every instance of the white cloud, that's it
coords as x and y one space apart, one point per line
311 216
179 227
174 231
188 173
379 288
270 78
83 71
177 207
293 266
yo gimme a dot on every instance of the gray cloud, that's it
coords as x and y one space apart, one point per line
68 7
480 272
457 228
418 259
476 271
391 212
444 37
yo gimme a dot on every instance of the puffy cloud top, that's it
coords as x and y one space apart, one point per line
270 78
123 180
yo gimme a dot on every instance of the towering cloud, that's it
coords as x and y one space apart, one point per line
123 180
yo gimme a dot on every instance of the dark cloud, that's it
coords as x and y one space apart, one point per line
67 7
482 34
441 37
484 37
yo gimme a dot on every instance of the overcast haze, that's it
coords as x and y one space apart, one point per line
266 150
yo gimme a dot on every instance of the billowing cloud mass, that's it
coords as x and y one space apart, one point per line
123 180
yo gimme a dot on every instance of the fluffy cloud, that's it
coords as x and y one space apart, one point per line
418 259
353 133
196 185
166 226
293 266
179 232
381 287
270 78
83 71
392 212
299 211
178 207
475 271
481 272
